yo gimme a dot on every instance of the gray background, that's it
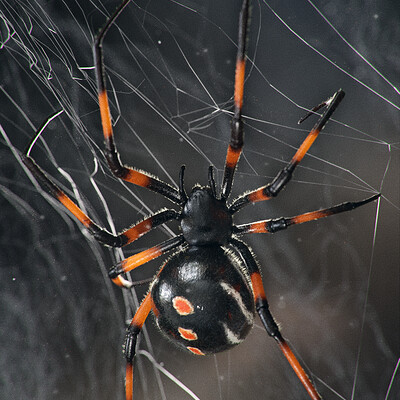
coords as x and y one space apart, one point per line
62 321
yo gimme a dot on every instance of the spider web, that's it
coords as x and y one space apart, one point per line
333 285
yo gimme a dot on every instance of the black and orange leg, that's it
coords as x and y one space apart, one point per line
284 176
278 224
121 171
130 341
267 319
132 262
100 234
236 141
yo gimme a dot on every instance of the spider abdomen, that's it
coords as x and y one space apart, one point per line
203 301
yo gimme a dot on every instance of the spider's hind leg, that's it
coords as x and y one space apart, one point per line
267 319
130 341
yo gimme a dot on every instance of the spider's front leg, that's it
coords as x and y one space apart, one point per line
267 319
120 170
236 142
283 177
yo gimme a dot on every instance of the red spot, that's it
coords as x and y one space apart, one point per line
187 334
182 306
195 350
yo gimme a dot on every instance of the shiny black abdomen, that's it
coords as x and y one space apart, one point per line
202 300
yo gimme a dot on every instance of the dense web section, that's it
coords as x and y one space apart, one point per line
333 285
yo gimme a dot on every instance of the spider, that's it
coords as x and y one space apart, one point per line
205 296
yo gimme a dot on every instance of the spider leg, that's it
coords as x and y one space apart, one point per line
236 141
136 231
130 341
100 234
132 262
283 177
121 171
267 319
278 224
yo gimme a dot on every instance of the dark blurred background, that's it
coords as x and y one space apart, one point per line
333 285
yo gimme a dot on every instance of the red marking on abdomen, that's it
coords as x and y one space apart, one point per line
182 306
187 334
196 351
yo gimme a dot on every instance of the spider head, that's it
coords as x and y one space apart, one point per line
205 219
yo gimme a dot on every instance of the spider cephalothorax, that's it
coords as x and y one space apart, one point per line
205 219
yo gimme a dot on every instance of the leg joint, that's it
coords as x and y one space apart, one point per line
268 320
130 342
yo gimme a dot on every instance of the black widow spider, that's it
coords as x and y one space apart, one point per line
204 297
